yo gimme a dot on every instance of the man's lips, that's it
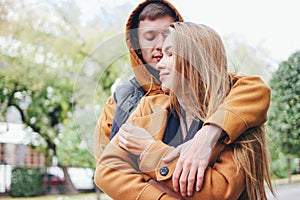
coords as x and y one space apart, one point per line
157 57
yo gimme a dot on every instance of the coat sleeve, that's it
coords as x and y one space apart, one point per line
117 172
118 176
103 127
245 106
222 179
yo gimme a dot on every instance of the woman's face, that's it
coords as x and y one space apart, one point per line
165 65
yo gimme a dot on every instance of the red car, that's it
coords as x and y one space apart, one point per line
52 180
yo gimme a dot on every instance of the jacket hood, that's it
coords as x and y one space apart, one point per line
147 80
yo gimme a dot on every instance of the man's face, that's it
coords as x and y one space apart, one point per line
151 34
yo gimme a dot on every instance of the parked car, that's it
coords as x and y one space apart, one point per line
82 178
53 180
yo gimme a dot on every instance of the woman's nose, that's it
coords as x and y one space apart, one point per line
160 65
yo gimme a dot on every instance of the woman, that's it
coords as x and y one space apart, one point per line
194 70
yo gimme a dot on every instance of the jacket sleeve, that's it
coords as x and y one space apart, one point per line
222 178
245 106
103 127
118 176
117 172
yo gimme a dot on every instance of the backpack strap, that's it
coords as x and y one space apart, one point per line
127 96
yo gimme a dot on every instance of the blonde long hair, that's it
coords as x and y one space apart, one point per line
200 68
202 80
251 154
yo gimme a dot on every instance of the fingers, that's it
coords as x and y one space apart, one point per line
176 175
191 180
172 155
187 178
183 181
200 178
126 127
123 142
123 136
126 139
135 131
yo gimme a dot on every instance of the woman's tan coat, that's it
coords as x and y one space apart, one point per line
123 176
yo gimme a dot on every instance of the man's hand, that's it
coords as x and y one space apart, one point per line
193 159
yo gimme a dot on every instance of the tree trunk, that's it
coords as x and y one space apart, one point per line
289 169
69 186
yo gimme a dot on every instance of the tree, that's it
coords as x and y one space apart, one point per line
245 58
42 58
284 112
36 72
43 101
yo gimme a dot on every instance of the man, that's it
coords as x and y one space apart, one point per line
146 28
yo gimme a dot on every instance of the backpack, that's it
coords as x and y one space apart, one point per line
127 96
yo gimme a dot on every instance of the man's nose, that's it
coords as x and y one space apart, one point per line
159 42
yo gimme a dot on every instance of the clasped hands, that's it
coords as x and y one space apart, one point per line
193 155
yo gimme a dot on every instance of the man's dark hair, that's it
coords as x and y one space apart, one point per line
153 10
157 9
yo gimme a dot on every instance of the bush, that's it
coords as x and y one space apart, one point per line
279 167
26 182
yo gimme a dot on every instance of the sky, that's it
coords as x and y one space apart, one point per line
273 24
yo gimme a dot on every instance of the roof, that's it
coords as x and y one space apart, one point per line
14 133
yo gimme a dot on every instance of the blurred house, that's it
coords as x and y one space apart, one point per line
16 152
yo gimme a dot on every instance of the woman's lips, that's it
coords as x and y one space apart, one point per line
162 75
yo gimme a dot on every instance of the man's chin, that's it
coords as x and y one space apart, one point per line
153 70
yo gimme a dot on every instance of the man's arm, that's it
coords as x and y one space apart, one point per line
103 127
245 106
222 180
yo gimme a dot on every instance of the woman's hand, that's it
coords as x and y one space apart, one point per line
134 139
193 159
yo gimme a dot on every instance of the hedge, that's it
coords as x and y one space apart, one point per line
26 182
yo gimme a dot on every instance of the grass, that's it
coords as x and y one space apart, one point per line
93 196
295 179
83 196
